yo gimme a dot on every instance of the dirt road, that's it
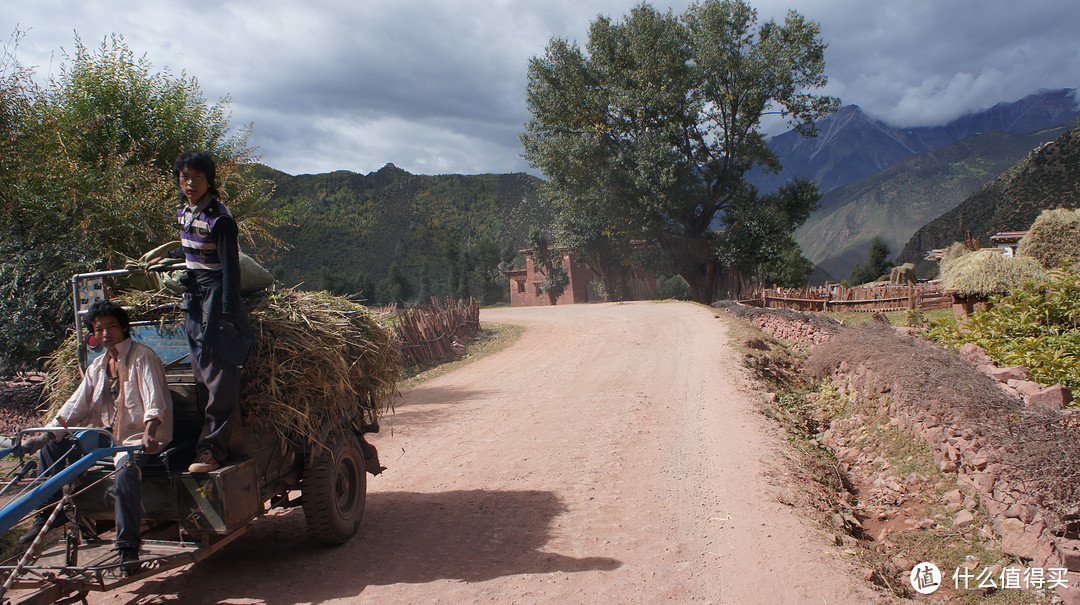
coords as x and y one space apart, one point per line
612 455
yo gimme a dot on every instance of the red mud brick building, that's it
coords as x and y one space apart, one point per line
525 284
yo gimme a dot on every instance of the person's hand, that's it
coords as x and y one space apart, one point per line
150 444
34 442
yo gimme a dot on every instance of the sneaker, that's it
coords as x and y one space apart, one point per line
129 560
204 463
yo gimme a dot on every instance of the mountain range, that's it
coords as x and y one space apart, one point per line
852 145
1047 177
897 201
883 180
355 229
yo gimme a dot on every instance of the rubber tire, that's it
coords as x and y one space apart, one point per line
334 488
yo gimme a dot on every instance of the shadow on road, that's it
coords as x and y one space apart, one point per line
427 406
406 537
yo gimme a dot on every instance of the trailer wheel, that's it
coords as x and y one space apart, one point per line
334 488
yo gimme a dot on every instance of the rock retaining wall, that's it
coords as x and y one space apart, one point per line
1029 531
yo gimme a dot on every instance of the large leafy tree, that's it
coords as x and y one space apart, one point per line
657 121
86 177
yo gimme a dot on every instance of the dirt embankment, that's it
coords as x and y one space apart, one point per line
1009 445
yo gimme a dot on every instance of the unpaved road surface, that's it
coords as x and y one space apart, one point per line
612 455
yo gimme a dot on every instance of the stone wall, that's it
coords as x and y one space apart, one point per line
1038 536
1030 531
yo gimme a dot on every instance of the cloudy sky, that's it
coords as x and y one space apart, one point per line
437 86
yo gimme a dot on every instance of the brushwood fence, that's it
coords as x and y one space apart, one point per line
437 331
866 298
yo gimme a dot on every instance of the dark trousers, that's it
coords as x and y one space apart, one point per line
218 388
127 506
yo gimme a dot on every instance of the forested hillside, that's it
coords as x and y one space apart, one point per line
1048 177
391 235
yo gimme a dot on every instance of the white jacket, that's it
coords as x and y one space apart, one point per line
144 394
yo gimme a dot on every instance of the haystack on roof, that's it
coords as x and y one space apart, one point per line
986 273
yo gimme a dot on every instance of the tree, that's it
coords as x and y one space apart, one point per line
549 263
396 287
87 177
600 243
877 263
657 124
757 241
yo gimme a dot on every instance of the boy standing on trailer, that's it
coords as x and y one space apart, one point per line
219 333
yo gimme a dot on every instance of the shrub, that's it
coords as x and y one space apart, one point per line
672 287
1034 326
1054 238
987 273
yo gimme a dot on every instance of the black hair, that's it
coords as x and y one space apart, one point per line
197 160
108 308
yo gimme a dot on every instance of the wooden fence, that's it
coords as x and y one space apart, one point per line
435 331
864 298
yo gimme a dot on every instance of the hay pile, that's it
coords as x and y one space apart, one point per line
318 357
1054 238
986 273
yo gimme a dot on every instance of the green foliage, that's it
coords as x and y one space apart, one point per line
673 286
877 263
85 176
549 263
600 241
396 287
986 273
1035 326
757 238
451 235
915 318
654 128
1053 239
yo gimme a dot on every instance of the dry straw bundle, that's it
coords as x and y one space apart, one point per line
318 357
985 273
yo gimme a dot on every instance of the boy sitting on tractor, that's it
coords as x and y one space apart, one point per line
123 390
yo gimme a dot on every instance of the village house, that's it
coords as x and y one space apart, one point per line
526 284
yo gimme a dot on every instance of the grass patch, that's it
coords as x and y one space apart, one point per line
492 339
896 318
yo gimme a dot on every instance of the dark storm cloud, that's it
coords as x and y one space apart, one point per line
924 62
438 87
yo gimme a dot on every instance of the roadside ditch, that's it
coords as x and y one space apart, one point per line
917 454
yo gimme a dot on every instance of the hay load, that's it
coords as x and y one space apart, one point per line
318 357
987 273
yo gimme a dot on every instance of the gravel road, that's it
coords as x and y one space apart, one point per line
611 455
